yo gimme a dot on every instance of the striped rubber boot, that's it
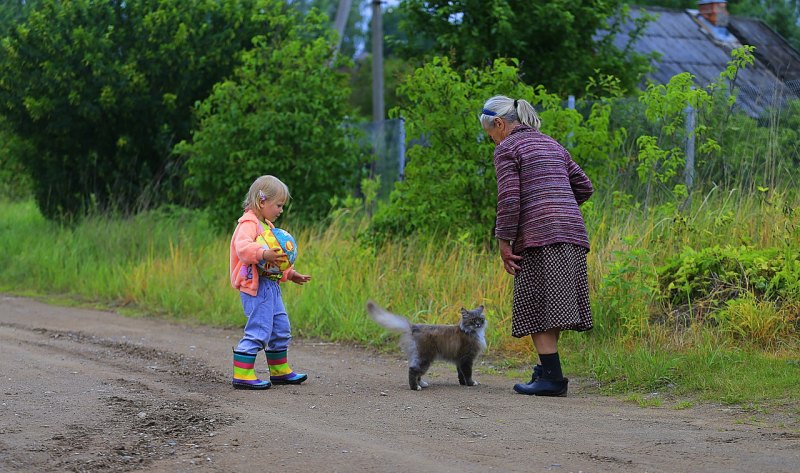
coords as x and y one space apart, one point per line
279 371
244 373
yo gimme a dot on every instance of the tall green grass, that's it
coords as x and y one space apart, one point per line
170 263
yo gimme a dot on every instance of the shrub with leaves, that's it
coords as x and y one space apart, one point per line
282 113
449 175
102 90
711 276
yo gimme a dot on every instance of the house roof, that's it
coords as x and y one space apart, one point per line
688 43
771 48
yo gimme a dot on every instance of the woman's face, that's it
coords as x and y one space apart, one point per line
497 132
271 209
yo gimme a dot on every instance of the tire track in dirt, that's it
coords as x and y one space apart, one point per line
133 423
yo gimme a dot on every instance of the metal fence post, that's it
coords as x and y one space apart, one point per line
688 173
401 147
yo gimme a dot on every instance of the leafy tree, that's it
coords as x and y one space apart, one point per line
102 89
557 42
282 113
13 12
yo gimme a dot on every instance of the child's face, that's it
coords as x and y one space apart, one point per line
271 209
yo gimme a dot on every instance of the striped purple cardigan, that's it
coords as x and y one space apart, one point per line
539 188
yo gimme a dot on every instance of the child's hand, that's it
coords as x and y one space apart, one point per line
273 257
298 278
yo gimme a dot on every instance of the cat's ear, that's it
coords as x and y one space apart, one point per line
467 313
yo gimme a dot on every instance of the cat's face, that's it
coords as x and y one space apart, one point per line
472 320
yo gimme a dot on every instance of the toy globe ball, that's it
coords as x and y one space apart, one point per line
282 242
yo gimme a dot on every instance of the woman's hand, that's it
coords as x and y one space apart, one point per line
509 258
298 278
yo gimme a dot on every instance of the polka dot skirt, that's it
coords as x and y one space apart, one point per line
551 290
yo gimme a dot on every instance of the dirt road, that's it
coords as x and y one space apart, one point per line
86 390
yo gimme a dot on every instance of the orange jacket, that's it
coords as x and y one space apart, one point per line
245 254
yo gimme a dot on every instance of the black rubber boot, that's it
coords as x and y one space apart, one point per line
537 373
544 387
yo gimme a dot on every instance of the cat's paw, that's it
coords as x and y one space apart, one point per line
472 382
418 388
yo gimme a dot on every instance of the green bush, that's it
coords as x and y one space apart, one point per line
102 90
719 274
283 113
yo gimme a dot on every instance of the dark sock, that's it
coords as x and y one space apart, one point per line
551 366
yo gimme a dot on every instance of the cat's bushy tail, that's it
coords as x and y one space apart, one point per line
387 319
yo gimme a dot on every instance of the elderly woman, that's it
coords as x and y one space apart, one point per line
541 233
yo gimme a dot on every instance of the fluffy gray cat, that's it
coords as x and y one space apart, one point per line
459 344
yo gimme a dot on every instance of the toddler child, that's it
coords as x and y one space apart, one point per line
267 326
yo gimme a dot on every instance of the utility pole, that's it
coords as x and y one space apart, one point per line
342 14
377 62
378 112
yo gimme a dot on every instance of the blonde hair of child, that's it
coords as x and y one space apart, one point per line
263 189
